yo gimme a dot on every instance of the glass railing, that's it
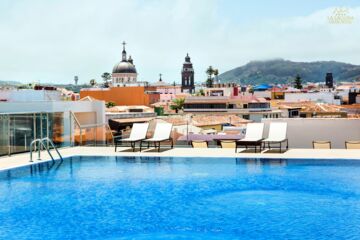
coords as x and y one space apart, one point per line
96 134
17 130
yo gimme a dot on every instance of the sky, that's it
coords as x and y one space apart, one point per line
52 41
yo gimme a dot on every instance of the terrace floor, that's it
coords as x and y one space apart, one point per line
8 162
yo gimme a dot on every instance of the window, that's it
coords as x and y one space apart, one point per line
294 113
135 110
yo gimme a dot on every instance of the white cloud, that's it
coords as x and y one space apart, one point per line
52 41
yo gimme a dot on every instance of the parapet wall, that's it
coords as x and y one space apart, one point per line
302 131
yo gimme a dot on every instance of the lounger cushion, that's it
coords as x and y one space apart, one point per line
254 132
277 132
138 132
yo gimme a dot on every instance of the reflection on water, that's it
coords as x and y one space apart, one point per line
34 169
275 162
256 165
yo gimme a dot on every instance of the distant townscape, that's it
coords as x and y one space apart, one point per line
200 104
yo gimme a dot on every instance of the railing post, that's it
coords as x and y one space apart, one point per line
9 136
31 152
95 136
34 125
71 132
39 150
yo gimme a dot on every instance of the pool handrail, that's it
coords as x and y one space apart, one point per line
40 142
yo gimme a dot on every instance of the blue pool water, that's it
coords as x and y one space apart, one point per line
181 198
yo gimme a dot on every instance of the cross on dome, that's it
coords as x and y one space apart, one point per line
124 52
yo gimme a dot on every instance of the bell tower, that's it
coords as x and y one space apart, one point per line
187 76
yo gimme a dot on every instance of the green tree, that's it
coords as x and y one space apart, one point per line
251 90
106 77
110 104
210 71
177 104
298 82
92 82
216 74
201 92
210 81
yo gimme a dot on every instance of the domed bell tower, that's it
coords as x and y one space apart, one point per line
124 72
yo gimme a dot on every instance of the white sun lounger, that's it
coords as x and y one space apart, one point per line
138 133
277 134
162 133
253 136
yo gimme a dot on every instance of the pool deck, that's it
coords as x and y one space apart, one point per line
18 160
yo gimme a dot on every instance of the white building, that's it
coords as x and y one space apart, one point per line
319 97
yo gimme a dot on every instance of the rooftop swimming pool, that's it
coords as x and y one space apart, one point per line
181 198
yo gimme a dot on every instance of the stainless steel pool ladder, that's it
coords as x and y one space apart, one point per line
41 144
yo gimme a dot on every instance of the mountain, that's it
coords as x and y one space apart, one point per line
281 71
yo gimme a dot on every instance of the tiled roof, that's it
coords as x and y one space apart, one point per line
222 99
206 100
352 106
89 98
159 104
308 106
206 120
176 121
247 98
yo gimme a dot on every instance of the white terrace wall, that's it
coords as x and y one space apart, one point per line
322 97
302 131
97 107
28 95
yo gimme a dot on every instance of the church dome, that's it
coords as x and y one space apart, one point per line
124 67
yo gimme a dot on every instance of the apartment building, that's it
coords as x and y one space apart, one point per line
247 107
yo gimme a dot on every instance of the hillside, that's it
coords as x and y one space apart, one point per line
283 71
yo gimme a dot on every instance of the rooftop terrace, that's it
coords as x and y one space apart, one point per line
23 159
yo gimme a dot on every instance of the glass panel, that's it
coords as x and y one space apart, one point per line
56 129
4 136
21 132
17 131
41 125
